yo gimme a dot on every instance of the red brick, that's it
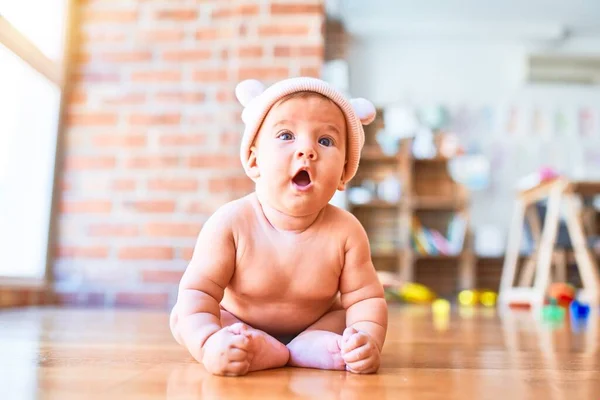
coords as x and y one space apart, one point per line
78 97
86 206
141 300
126 56
298 51
96 77
245 10
270 30
187 253
154 119
231 184
113 230
182 140
263 73
180 97
224 32
89 162
203 207
156 76
92 119
177 15
108 16
152 161
145 253
174 185
315 72
230 139
295 9
152 206
226 95
250 52
124 185
82 251
172 229
161 276
124 98
187 55
104 36
161 35
119 141
210 75
214 161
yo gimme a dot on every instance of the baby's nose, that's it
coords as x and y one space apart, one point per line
307 152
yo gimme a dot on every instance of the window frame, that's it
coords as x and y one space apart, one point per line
56 72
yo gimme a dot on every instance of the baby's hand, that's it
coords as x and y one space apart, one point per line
359 351
226 352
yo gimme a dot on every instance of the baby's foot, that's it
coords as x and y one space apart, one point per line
316 349
238 349
359 351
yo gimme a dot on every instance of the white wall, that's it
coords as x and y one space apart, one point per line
485 80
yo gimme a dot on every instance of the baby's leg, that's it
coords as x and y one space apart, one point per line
319 345
239 348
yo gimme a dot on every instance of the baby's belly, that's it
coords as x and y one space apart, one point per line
277 317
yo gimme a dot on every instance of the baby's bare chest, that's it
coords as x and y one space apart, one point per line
288 268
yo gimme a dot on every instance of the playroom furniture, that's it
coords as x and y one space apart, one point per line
538 266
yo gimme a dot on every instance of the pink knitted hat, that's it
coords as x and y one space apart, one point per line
258 101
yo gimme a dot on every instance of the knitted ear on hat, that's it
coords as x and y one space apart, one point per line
364 109
247 90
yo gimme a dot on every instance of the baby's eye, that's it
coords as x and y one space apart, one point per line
326 142
285 136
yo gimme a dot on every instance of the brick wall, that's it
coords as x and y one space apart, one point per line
153 130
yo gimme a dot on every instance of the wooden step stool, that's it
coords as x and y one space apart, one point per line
558 191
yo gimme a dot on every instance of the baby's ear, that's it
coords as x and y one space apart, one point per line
364 109
342 185
247 90
252 165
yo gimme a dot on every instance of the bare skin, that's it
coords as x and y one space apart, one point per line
282 263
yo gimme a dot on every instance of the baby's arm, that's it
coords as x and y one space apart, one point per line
196 316
361 292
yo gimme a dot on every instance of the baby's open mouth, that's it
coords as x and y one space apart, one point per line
302 179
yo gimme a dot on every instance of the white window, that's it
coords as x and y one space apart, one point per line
32 44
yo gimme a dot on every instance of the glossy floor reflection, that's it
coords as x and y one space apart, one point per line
481 353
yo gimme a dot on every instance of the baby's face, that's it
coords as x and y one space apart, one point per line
300 154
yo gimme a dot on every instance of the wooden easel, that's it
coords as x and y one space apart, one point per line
539 263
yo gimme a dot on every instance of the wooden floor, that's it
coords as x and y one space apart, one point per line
78 354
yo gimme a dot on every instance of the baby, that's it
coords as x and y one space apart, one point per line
280 276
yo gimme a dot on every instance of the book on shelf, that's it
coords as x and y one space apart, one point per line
428 241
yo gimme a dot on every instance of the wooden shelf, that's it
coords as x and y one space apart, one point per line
437 203
430 196
375 204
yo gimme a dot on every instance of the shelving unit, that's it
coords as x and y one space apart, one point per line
428 194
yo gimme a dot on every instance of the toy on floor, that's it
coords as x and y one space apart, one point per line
579 310
563 293
470 298
409 292
440 307
553 313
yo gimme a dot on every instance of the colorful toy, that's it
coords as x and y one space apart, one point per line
552 312
416 293
563 293
579 310
440 307
469 298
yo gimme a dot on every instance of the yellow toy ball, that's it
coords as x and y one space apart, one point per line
416 293
467 298
441 307
488 298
